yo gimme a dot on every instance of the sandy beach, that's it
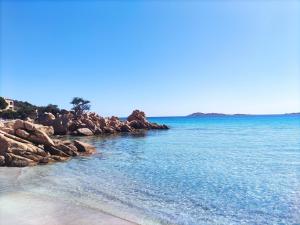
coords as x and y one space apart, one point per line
23 208
28 209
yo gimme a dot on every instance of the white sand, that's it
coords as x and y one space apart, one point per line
27 209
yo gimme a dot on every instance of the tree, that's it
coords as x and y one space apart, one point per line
3 103
80 105
9 114
50 108
25 109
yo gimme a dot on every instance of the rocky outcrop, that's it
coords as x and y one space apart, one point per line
92 124
28 144
138 120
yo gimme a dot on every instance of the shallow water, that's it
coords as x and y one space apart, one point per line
221 170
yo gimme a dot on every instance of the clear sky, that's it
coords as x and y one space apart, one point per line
166 58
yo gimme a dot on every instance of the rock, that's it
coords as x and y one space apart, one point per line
31 132
18 161
84 132
57 158
138 116
37 137
60 126
102 122
2 160
138 120
108 130
89 124
84 147
7 130
9 124
46 119
13 137
22 133
40 137
92 124
125 128
7 144
18 124
29 126
29 146
60 123
55 151
48 116
49 130
98 131
29 155
68 149
137 124
114 121
164 126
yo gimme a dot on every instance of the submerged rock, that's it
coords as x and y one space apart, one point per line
84 147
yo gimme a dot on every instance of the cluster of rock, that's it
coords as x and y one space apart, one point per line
92 124
23 143
28 143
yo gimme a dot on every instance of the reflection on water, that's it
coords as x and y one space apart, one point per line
202 171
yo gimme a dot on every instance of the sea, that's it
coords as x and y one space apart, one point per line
209 170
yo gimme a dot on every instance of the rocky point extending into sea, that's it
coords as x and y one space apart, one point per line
33 142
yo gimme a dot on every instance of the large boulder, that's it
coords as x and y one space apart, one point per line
62 123
18 161
84 132
49 130
29 155
89 124
8 130
138 116
84 147
32 132
125 128
37 137
7 144
136 124
137 120
55 151
68 149
108 130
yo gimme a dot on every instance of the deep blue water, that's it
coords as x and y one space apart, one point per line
220 170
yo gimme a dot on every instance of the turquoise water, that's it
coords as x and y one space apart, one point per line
221 170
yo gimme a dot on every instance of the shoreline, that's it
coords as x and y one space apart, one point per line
25 206
50 211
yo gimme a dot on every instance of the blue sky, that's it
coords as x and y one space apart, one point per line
166 58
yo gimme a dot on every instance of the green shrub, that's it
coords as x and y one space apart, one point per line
3 103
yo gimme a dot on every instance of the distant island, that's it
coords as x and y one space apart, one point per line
200 114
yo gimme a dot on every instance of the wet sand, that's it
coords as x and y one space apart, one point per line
28 209
19 207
